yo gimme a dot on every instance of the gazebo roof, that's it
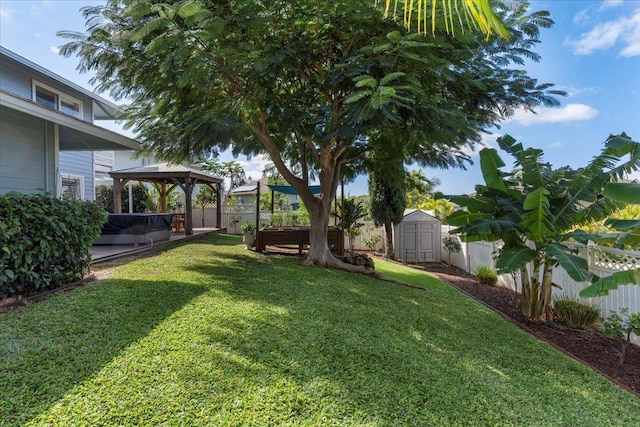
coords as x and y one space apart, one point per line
165 173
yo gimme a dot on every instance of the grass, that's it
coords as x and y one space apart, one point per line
211 334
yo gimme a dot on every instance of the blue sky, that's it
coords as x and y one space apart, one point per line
592 52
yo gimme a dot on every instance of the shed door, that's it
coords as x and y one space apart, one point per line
418 242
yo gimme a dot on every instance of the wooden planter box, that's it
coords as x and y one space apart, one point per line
297 236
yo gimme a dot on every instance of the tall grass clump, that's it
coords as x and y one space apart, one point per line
486 275
577 314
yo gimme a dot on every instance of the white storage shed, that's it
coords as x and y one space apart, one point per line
417 237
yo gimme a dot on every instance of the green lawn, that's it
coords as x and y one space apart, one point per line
211 334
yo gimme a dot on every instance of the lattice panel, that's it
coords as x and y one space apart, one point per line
617 262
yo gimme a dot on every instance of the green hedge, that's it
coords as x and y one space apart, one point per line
104 198
44 242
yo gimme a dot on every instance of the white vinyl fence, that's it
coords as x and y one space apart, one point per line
602 261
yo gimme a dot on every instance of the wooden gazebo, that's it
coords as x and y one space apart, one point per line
166 177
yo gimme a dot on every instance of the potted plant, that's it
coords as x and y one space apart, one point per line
248 234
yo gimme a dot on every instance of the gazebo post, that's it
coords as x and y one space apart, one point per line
219 206
258 207
272 200
188 190
117 193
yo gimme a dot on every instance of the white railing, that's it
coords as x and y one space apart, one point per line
601 260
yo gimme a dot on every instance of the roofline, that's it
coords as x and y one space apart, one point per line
34 109
24 61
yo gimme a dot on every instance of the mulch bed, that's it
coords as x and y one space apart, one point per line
591 348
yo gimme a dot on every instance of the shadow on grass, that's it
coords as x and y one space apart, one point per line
348 346
266 342
49 348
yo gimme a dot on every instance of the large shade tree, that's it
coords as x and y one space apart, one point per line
303 81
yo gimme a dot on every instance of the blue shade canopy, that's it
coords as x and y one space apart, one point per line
287 189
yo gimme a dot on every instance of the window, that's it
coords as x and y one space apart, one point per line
46 98
56 100
70 187
70 107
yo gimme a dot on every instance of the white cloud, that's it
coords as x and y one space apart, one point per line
35 10
6 14
603 36
582 16
556 144
253 167
575 90
610 4
568 113
54 49
37 35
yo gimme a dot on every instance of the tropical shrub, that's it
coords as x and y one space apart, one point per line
349 214
44 242
486 275
248 227
451 244
577 314
622 326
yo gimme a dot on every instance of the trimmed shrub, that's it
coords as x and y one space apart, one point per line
486 275
577 314
44 242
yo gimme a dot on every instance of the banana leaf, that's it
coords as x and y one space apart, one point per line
627 192
512 259
605 284
576 267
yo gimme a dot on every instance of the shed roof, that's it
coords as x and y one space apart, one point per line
418 215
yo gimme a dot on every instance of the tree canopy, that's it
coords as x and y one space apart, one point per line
306 82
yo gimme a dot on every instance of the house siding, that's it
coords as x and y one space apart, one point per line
26 142
79 163
17 79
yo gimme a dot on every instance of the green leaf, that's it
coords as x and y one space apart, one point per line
577 267
622 224
492 226
473 204
390 77
394 36
605 284
626 192
512 259
536 219
460 218
190 8
490 163
357 96
363 81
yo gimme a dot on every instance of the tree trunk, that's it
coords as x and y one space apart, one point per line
319 252
388 232
545 297
536 295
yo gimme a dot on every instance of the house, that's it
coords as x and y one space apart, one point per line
48 140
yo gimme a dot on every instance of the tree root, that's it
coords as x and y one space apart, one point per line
334 263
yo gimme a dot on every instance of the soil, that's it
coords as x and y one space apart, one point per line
590 347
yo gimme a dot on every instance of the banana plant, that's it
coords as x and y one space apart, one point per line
533 209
